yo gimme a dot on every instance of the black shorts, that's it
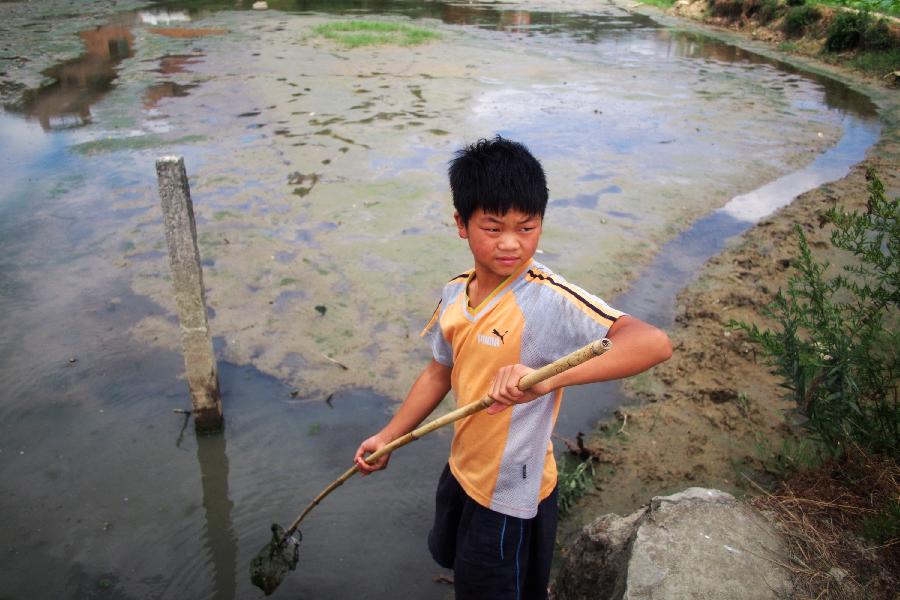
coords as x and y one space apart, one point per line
493 556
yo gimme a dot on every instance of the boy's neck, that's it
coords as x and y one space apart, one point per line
484 283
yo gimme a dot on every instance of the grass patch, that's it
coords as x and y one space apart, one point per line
659 3
353 34
877 63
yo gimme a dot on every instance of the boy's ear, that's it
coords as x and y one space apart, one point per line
461 226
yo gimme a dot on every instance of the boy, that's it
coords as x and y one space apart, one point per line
495 514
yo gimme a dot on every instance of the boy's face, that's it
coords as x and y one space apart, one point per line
500 244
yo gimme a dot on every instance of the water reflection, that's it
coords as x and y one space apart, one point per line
837 95
80 82
485 15
220 542
165 89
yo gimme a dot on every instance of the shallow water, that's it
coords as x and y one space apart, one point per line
318 181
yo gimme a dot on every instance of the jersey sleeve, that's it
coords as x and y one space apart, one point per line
560 318
440 347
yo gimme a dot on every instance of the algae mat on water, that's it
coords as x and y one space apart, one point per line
353 34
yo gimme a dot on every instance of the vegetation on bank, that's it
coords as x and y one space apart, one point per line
884 7
353 34
835 345
858 33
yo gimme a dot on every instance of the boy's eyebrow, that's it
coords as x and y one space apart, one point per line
499 219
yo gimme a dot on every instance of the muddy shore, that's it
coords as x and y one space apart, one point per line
713 415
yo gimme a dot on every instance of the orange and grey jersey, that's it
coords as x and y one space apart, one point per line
505 461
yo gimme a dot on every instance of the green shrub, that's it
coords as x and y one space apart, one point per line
769 10
846 31
799 19
729 9
837 348
763 11
877 36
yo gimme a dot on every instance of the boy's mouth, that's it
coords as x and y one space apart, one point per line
508 260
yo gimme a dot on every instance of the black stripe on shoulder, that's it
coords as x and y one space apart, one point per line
596 309
460 276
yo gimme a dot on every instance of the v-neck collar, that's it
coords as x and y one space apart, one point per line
495 293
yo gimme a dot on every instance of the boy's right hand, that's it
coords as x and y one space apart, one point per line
373 444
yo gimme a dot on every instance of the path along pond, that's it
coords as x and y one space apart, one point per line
318 178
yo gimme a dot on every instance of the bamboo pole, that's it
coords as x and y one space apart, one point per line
574 359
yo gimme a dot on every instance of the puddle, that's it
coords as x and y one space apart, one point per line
82 81
318 177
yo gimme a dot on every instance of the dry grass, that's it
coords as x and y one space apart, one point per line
840 523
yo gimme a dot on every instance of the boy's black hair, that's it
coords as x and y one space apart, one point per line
496 176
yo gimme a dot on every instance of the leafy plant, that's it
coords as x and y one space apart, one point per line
769 10
837 348
846 31
878 36
799 19
573 477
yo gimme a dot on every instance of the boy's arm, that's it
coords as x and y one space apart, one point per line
636 347
425 394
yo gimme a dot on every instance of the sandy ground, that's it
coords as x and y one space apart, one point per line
714 415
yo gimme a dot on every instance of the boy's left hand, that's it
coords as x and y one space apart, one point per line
505 388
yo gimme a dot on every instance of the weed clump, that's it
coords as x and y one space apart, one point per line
728 9
837 344
799 19
859 31
765 11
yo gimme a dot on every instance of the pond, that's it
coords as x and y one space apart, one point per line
318 178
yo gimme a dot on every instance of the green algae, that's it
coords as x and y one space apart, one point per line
138 142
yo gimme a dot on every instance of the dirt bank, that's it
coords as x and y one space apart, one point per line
713 415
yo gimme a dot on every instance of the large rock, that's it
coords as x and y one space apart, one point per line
699 543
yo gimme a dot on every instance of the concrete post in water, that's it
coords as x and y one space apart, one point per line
190 299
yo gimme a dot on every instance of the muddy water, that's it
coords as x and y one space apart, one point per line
318 180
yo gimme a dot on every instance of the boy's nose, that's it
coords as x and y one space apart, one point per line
508 242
